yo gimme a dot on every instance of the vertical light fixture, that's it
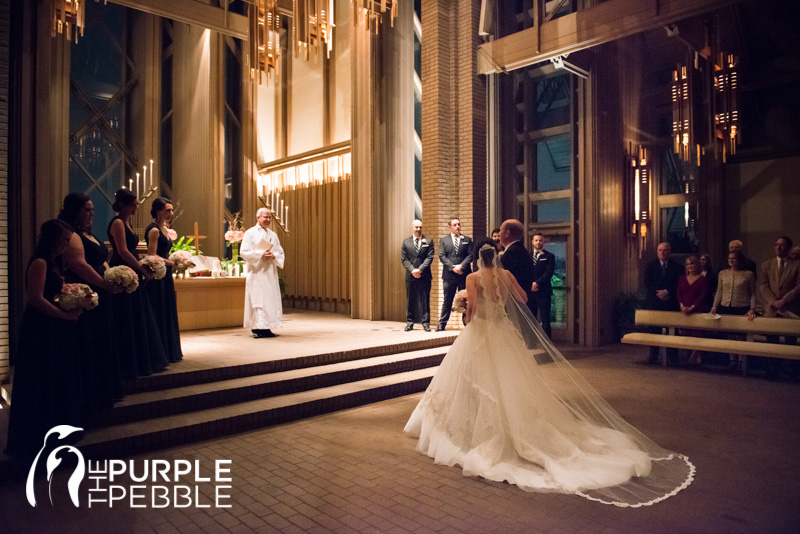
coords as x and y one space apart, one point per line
686 85
726 103
638 196
69 15
312 26
370 12
265 46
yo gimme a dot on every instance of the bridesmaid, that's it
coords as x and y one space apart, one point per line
135 329
162 292
47 389
86 262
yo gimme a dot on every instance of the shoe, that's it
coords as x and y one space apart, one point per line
258 334
269 333
440 328
409 327
426 328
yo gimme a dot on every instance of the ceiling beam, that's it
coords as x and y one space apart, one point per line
585 28
195 13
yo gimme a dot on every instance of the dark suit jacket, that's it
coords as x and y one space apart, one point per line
417 260
543 272
518 261
451 257
655 280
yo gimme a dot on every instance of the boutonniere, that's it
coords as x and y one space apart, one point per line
424 241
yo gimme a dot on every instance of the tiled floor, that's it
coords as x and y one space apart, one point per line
356 471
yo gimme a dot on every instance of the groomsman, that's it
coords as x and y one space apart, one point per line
417 255
455 253
544 264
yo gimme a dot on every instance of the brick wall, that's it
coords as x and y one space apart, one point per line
453 126
5 53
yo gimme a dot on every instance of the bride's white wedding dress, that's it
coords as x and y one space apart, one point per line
505 405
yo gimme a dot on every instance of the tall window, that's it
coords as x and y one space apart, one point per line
233 124
103 77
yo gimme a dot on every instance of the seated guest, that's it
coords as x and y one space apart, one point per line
795 252
47 389
692 296
736 293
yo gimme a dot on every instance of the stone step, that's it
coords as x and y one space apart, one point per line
153 404
152 434
177 379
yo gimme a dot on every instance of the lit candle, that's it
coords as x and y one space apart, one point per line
144 180
152 176
137 185
286 220
130 184
281 209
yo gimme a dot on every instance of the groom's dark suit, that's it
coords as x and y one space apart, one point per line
418 290
452 282
517 261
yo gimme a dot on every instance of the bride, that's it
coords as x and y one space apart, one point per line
507 406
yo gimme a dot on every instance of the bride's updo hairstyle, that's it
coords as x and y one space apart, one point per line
485 250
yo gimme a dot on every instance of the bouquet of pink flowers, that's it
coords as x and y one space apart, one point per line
182 260
76 297
235 234
123 276
155 264
460 302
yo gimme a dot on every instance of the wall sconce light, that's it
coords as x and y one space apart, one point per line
686 97
637 196
726 103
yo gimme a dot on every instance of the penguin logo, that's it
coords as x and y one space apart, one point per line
54 461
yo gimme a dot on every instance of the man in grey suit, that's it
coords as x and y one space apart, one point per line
455 253
417 256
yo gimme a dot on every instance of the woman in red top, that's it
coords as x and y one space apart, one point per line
693 295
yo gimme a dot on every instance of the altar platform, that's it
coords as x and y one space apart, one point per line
230 382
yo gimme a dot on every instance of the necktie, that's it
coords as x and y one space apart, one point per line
456 242
416 243
663 268
535 258
780 269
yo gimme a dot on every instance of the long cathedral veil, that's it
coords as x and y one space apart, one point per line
669 472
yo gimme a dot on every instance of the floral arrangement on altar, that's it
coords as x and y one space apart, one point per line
460 302
182 260
123 276
235 234
155 264
77 297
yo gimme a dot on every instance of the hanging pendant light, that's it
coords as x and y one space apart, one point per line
265 46
370 12
312 27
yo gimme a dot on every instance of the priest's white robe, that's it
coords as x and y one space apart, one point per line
263 309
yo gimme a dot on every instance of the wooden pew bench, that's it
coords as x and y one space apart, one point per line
761 326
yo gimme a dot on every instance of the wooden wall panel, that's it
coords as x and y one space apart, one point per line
317 247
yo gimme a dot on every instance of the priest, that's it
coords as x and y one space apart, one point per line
262 251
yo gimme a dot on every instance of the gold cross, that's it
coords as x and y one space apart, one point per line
197 237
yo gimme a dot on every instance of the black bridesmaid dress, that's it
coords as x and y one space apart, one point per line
100 359
137 337
162 298
47 390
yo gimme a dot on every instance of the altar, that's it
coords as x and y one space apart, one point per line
206 302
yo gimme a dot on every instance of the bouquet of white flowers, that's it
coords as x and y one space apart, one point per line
460 302
155 264
123 276
182 260
76 297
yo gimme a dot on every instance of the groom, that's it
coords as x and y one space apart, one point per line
516 259
455 253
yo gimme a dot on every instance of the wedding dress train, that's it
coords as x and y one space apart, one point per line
505 405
